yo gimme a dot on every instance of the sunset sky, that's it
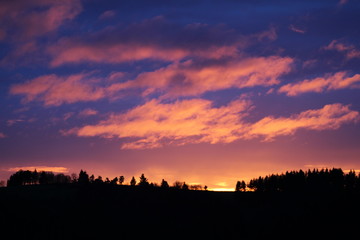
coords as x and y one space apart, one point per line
206 92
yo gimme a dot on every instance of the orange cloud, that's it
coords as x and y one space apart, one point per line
331 116
40 168
156 124
193 78
54 90
336 81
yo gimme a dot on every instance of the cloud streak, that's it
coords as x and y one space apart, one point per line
331 116
55 90
153 39
349 50
157 124
339 80
40 169
193 78
189 78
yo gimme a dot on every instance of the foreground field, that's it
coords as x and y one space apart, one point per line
123 212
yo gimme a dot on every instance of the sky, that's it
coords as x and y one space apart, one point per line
206 92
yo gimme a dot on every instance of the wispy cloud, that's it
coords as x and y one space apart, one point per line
107 14
296 29
87 112
11 122
331 116
349 50
339 80
26 19
55 90
156 124
40 168
2 135
154 39
192 78
189 78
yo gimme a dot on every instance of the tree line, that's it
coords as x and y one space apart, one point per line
324 180
291 181
27 177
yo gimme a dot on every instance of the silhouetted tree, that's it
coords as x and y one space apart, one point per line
177 185
164 184
35 177
316 180
114 181
74 177
243 186
350 181
185 186
205 188
46 177
121 180
92 178
238 186
2 183
195 187
133 181
62 178
143 181
83 177
99 180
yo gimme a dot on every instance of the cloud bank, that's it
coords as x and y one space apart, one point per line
157 124
339 80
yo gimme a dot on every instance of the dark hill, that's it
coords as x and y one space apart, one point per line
71 211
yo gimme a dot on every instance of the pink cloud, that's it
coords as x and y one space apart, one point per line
2 135
192 78
296 29
349 50
32 18
339 80
71 52
155 39
88 112
331 116
55 90
157 124
188 78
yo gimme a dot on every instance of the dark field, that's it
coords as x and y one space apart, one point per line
123 212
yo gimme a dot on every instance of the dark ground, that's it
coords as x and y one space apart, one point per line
122 212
